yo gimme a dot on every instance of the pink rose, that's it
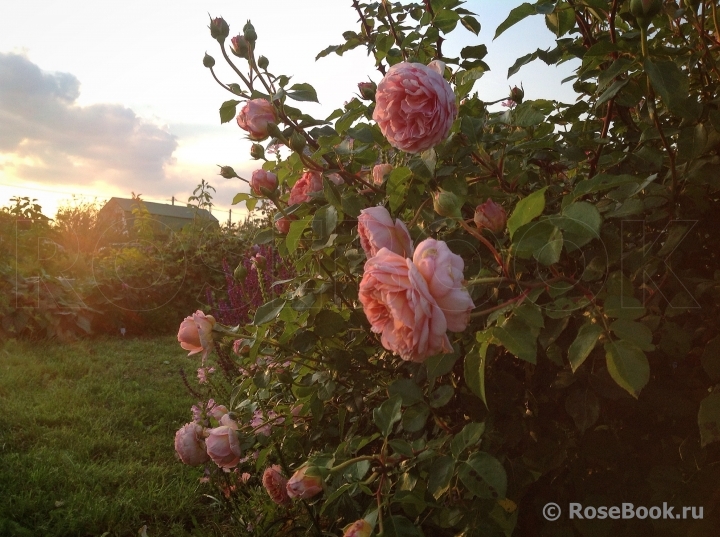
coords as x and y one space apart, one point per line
377 231
304 486
283 224
223 446
218 411
490 215
308 183
336 179
359 528
415 107
263 180
380 171
195 334
189 444
443 272
399 306
276 484
255 116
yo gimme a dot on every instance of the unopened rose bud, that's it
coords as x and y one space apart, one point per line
259 261
297 142
283 224
446 203
227 172
219 29
263 183
239 46
257 151
517 94
367 90
240 273
208 61
249 32
263 62
645 10
235 88
304 486
490 216
359 528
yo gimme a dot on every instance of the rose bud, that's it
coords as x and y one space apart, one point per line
645 10
297 142
255 116
275 484
219 29
249 32
263 62
380 171
208 61
227 172
195 334
240 273
308 183
304 486
263 183
490 216
190 446
283 224
239 46
259 261
359 528
446 203
517 94
235 88
223 446
240 347
257 152
367 90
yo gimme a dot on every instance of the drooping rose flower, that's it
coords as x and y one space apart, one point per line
415 107
263 180
304 486
275 484
255 116
195 334
380 171
377 231
189 444
443 272
397 302
490 215
309 182
359 528
223 446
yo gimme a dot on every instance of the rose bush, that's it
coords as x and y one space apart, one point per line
422 376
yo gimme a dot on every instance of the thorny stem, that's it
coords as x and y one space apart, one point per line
478 235
368 31
487 311
392 29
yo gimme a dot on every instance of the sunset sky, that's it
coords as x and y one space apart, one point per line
98 99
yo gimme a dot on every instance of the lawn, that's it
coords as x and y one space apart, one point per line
86 441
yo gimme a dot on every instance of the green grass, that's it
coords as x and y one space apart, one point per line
86 441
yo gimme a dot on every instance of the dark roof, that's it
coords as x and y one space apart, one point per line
162 209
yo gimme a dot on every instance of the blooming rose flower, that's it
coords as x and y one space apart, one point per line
397 302
304 486
263 180
380 171
255 116
443 272
195 334
283 224
218 411
415 107
377 230
223 446
189 444
308 183
275 484
359 528
490 215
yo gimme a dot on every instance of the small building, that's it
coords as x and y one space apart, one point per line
163 218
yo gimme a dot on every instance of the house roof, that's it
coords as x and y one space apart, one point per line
162 209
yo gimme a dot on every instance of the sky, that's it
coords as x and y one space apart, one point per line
101 99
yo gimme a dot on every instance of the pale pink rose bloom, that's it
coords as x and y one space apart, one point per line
308 183
255 116
189 444
227 421
377 231
380 171
304 486
437 66
262 179
275 485
399 306
283 224
218 411
223 446
490 215
415 107
443 272
359 528
195 334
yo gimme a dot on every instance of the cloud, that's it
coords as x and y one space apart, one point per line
52 139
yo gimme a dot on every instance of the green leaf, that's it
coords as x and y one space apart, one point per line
475 371
397 186
296 230
526 210
440 364
636 333
477 51
612 91
583 406
302 92
601 182
516 15
628 366
709 419
711 359
446 20
623 307
268 312
518 338
399 526
468 437
526 115
414 417
325 221
441 396
562 20
471 24
671 84
583 345
580 222
484 476
387 415
549 253
408 390
227 110
618 67
329 323
440 475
